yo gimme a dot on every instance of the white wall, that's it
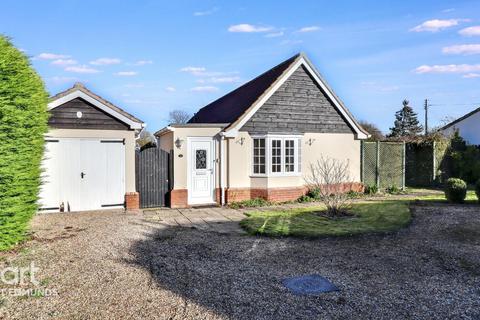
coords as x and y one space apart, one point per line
469 129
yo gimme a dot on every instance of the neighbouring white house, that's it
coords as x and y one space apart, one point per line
89 160
260 139
468 127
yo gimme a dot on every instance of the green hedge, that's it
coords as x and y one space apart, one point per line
23 122
477 190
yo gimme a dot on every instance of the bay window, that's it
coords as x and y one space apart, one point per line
276 155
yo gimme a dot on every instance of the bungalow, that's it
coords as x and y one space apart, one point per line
260 139
467 126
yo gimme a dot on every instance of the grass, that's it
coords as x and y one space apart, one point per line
370 217
440 197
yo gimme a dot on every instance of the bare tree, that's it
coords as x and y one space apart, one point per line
375 132
179 116
329 176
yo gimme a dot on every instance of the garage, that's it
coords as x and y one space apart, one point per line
89 159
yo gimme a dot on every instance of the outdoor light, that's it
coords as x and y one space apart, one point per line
178 143
79 114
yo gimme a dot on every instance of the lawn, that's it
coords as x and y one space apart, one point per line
370 217
438 195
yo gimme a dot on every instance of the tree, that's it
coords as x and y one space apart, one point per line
23 123
179 116
373 130
406 123
328 178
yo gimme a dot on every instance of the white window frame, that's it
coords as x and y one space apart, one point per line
268 155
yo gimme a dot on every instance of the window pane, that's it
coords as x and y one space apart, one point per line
276 155
289 155
201 159
258 156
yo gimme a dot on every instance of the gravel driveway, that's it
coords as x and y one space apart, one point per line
112 265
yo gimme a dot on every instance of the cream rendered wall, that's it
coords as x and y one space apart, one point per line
129 137
468 128
180 156
166 141
338 146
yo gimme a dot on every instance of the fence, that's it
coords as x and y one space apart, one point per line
387 164
383 164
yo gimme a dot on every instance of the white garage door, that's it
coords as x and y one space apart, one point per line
83 174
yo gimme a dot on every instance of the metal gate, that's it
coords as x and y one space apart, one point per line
153 177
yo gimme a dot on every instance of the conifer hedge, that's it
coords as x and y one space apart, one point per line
23 122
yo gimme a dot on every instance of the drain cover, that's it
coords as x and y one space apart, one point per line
309 285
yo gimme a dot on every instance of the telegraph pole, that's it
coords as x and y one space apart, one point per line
426 116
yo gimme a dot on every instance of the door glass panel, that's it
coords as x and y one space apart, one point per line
201 159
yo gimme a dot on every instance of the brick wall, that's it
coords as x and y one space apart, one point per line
132 201
278 194
179 198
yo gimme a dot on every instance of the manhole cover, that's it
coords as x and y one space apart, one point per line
309 285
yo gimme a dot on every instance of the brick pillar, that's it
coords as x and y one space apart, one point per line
179 198
132 201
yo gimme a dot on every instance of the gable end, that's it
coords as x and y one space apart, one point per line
65 117
299 105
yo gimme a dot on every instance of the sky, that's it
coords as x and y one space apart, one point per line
152 57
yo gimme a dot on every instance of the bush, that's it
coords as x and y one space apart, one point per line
305 198
314 194
371 190
477 190
393 189
455 190
23 122
251 203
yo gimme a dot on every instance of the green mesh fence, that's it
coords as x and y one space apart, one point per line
383 164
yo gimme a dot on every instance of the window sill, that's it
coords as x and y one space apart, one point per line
275 175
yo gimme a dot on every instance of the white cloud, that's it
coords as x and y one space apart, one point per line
379 87
142 62
220 80
290 42
58 79
64 62
471 75
81 69
274 34
51 56
465 49
105 61
437 25
448 68
309 29
134 85
126 73
470 31
206 12
248 28
204 89
194 70
170 89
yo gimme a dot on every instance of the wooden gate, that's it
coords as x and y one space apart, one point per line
153 177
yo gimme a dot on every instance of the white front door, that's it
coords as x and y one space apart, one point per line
201 189
83 174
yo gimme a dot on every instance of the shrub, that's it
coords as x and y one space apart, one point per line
314 193
455 190
354 194
23 122
305 198
393 189
477 190
251 203
371 189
